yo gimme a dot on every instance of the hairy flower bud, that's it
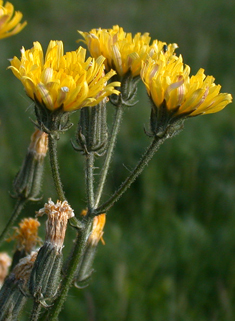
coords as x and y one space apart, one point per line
27 182
85 268
92 132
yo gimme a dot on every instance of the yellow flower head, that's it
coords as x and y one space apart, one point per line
122 51
26 234
168 82
9 24
57 80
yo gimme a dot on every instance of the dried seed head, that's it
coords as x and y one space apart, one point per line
15 289
58 216
39 144
5 262
26 235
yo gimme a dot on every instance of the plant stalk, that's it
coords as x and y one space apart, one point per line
109 153
89 174
154 146
78 251
18 208
52 143
35 311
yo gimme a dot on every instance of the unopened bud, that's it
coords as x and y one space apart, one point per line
85 268
97 230
27 182
46 273
92 133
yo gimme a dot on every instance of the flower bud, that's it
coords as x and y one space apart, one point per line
46 273
85 268
92 133
27 182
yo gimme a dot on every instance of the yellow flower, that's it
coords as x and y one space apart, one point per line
9 24
168 83
122 51
59 80
26 234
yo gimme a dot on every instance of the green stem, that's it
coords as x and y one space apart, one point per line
131 178
35 311
90 180
78 250
18 208
109 153
80 242
55 167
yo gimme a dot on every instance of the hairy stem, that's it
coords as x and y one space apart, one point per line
35 311
77 253
134 174
109 153
55 167
18 208
89 174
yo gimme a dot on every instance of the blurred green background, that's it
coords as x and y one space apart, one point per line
170 240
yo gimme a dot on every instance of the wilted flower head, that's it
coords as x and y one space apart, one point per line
39 144
122 51
23 269
26 235
57 80
176 95
97 228
5 262
15 288
56 224
10 22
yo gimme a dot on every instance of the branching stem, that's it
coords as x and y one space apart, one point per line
132 177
